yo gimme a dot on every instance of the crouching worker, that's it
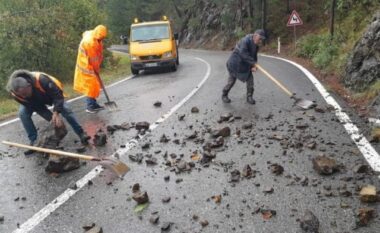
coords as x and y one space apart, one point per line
35 91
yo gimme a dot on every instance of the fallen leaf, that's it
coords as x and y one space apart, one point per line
141 207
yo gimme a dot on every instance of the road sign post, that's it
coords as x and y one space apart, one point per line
293 21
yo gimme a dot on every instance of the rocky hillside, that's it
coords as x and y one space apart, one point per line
363 66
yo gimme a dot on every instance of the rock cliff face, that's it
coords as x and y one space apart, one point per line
215 25
363 67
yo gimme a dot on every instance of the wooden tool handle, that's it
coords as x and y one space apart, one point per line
51 151
275 81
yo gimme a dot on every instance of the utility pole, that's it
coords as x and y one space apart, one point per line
332 19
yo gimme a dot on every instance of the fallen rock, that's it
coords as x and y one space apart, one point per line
361 168
166 226
181 117
157 104
235 176
164 139
204 223
166 199
368 194
151 161
276 169
364 216
324 165
138 196
309 222
194 110
224 132
154 219
136 158
226 117
2 218
95 229
247 126
217 198
142 125
100 138
267 213
247 171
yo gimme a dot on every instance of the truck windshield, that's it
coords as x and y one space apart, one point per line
150 32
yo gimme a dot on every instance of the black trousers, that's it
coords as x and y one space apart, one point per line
231 83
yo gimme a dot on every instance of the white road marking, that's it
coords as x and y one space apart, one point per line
369 153
69 101
68 193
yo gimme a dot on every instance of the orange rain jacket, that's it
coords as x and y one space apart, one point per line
89 59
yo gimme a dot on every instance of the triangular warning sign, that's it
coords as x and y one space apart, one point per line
294 19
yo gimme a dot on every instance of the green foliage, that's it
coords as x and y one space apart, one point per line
43 35
239 33
321 49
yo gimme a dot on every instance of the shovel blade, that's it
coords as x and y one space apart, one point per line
112 106
116 166
305 104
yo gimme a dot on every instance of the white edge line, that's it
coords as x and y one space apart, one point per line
374 121
69 101
61 199
369 153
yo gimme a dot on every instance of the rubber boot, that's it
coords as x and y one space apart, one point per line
225 97
250 100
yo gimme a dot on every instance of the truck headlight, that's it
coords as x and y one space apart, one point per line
167 54
134 58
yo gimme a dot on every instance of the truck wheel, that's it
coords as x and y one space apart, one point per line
134 71
174 67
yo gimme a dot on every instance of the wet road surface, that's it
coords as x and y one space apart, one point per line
270 132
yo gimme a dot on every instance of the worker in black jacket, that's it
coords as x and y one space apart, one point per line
35 91
241 64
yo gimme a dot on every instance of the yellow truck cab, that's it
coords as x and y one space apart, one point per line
153 45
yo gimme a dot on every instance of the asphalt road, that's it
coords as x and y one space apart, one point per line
26 188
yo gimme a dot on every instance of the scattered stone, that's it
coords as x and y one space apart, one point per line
194 110
224 132
247 171
2 219
368 194
178 180
302 126
138 196
166 178
164 139
136 158
88 227
81 149
157 104
142 125
361 168
235 176
226 117
95 229
166 199
276 169
309 222
268 190
204 223
364 216
181 117
100 138
145 146
375 135
319 109
267 213
166 226
311 145
247 126
151 161
154 219
325 165
217 198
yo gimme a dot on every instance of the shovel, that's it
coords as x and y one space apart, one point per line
115 165
110 105
302 103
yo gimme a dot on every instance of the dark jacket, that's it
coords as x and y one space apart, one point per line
243 57
52 94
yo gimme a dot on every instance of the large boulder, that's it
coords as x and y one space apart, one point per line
363 67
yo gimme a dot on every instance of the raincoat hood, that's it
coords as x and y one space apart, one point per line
100 32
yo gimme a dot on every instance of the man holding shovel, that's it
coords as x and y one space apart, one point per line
34 91
89 59
242 63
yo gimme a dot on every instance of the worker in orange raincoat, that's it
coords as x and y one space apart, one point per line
89 59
